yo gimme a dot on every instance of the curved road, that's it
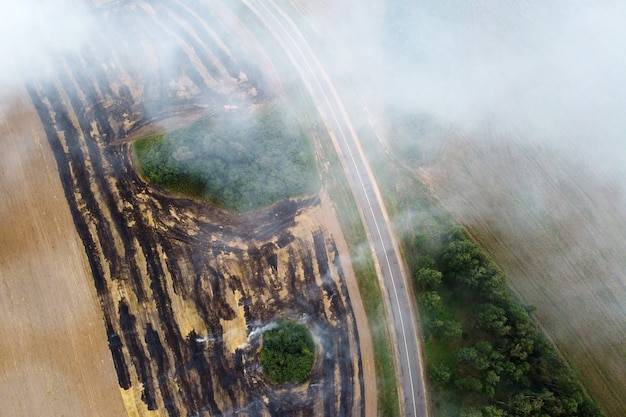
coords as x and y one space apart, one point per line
368 197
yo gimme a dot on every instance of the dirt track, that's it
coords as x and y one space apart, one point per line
183 288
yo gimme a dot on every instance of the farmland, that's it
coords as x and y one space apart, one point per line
178 289
53 340
125 295
558 234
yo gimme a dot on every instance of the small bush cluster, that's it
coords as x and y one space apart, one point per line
288 353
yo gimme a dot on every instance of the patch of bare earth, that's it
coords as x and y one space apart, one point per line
557 228
54 358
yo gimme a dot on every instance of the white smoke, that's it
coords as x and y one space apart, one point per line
550 72
33 32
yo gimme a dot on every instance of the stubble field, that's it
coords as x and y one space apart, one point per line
556 226
55 359
126 300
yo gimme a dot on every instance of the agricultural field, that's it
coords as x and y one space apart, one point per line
54 358
557 231
127 294
178 291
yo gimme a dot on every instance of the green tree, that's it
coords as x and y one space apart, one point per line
510 364
469 356
493 411
589 409
469 383
440 374
420 241
490 381
462 256
288 353
466 354
428 279
526 404
430 300
425 262
450 331
445 330
493 319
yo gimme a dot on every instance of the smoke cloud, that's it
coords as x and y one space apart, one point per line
546 72
34 31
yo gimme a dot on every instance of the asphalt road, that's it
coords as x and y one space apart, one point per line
366 192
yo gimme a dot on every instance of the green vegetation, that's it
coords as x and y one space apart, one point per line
386 382
288 353
485 356
238 160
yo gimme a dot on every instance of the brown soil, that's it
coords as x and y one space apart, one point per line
184 289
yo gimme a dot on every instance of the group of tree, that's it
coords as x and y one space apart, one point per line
288 353
486 356
239 160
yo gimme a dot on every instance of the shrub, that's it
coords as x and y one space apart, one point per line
288 353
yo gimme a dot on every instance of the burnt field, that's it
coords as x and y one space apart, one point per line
186 289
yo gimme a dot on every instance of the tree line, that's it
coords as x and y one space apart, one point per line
486 357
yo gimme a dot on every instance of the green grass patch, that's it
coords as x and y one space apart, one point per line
288 353
239 160
368 283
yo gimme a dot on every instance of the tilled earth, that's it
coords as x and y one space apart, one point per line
186 289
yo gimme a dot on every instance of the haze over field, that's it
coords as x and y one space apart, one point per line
532 97
35 31
553 73
532 94
549 72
